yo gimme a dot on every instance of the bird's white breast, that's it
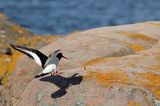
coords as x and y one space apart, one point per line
49 68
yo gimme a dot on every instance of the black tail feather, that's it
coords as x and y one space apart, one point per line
40 75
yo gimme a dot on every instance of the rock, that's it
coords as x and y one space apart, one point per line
56 104
157 103
5 99
115 66
1 87
44 104
12 33
39 97
79 104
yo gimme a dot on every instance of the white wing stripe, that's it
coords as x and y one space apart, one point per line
34 55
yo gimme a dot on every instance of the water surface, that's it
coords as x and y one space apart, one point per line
64 16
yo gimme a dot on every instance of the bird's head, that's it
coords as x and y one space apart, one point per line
60 55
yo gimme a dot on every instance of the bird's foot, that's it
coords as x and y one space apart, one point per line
53 73
58 73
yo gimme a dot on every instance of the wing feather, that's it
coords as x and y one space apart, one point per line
39 57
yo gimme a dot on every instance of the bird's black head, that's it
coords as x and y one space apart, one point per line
60 55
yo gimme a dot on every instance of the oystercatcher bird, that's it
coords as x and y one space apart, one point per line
48 63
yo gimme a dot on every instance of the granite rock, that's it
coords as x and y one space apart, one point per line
108 66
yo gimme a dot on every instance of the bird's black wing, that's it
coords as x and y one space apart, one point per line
39 57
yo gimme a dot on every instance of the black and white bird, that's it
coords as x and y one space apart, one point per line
48 63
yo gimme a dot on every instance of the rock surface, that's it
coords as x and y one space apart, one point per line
11 33
109 66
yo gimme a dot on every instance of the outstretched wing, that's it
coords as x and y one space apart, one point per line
39 57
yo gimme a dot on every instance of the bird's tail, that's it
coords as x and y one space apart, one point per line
40 75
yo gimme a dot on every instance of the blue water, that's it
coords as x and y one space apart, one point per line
64 16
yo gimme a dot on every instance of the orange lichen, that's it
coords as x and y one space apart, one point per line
152 82
131 103
17 28
45 39
2 16
11 65
139 36
136 47
107 79
154 68
97 61
22 40
7 67
32 41
157 93
3 65
148 80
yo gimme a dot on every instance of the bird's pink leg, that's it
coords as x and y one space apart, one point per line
53 73
58 73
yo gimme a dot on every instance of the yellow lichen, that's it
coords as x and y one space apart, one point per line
3 65
139 36
148 80
107 79
97 61
131 103
11 65
136 47
151 81
2 16
17 29
32 41
154 68
7 67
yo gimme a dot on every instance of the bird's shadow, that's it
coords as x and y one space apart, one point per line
63 83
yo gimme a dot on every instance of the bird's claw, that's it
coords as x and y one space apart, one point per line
56 73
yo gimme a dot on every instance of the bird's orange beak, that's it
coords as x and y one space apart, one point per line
64 57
